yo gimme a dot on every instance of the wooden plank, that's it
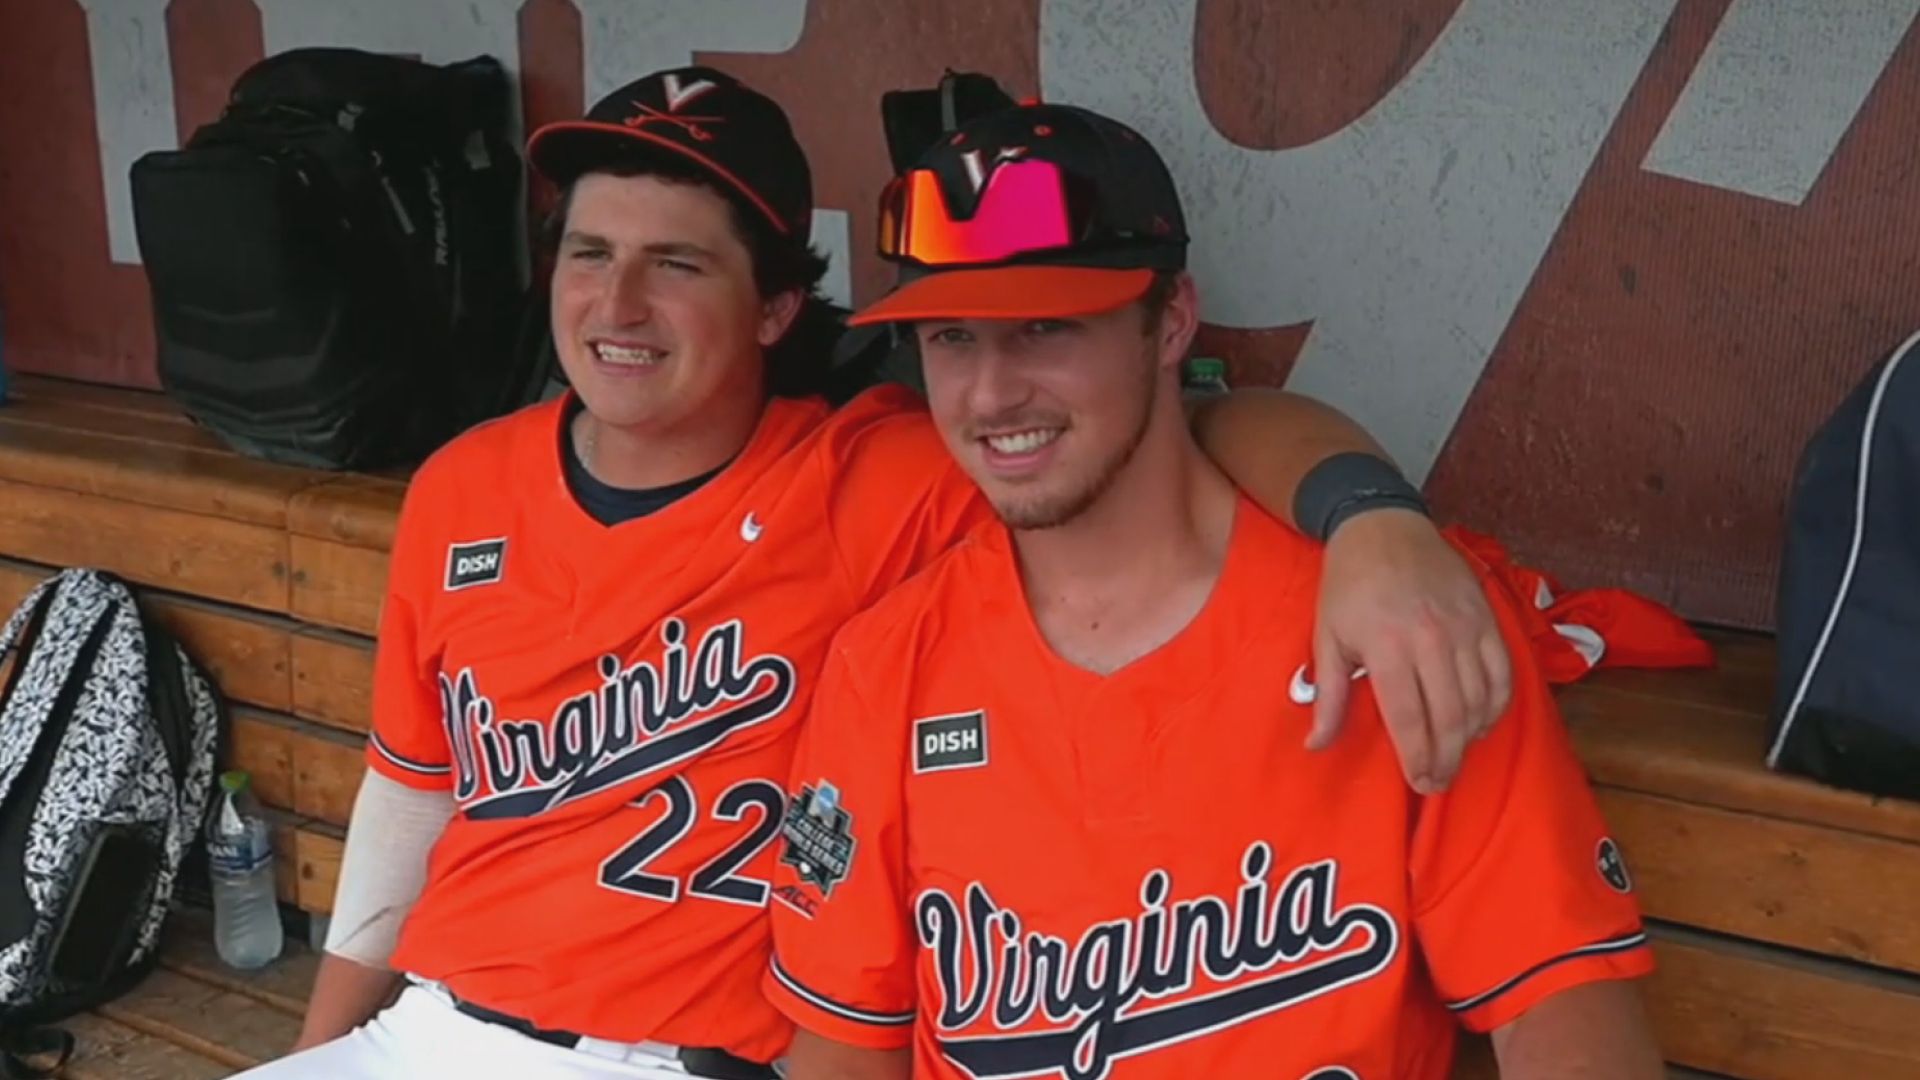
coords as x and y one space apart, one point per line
286 874
337 585
282 985
152 404
309 770
356 509
1823 890
333 679
318 849
160 428
191 479
263 746
328 767
107 1050
1763 1014
205 1019
1741 679
196 554
17 579
1714 757
247 653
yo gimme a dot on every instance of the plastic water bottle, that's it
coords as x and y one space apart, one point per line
246 913
1204 375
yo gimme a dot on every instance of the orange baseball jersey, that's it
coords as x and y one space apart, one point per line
614 708
1021 868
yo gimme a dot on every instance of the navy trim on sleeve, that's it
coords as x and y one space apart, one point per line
399 761
845 1012
1599 948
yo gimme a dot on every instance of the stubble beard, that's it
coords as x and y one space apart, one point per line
1038 512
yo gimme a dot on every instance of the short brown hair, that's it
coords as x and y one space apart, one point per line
780 263
1153 303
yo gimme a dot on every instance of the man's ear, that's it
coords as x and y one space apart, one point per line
777 314
1180 321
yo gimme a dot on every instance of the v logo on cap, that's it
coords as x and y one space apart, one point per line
977 168
679 94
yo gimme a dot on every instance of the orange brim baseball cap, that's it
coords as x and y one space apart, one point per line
1009 292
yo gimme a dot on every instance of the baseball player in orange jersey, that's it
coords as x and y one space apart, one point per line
1051 815
604 620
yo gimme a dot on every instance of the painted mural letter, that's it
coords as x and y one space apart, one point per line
1779 85
133 102
1406 238
625 39
437 31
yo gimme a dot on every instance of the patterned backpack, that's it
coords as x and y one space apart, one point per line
107 748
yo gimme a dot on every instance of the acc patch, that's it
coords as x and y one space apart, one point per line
819 837
950 742
1612 867
796 898
478 563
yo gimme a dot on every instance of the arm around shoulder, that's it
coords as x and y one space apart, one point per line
1396 598
1594 1031
1268 440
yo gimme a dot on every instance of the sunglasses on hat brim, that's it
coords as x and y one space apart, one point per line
1025 207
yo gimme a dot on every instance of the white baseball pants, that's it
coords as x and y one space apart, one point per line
422 1037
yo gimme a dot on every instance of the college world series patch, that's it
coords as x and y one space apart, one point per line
819 837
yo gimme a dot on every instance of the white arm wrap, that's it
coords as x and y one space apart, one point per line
385 866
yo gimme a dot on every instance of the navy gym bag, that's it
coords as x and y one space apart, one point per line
1845 710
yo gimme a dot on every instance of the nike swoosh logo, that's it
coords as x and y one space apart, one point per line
750 529
1302 691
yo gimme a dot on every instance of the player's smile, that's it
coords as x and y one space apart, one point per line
1016 453
624 358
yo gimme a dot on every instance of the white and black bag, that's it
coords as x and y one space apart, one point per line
1849 609
108 733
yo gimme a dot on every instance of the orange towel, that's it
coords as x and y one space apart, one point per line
1577 632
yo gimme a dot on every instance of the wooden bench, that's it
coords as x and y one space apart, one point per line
1784 912
194 1018
271 574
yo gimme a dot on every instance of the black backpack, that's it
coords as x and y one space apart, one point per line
1849 606
108 736
335 261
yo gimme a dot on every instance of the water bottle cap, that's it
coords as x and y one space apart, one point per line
233 780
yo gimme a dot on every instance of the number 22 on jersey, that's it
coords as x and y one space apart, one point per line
718 879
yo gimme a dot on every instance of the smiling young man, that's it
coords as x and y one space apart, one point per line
1049 817
606 615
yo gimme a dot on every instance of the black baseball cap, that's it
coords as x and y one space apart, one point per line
703 117
1120 220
